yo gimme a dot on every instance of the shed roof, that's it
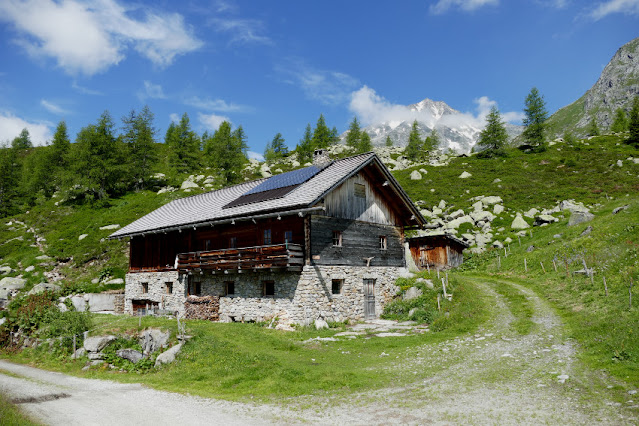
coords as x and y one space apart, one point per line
218 205
446 236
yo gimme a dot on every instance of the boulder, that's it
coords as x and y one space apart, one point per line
12 283
428 283
153 339
45 258
412 293
456 214
168 357
42 287
482 216
5 270
531 213
284 327
578 217
82 237
415 175
465 175
29 268
618 209
572 206
497 180
320 324
483 239
100 302
455 223
491 199
586 231
110 227
442 205
130 354
498 244
97 343
498 209
478 206
189 184
543 219
519 222
115 281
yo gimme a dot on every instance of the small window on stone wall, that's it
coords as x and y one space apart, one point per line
229 288
169 287
268 288
145 287
337 238
195 288
383 242
337 286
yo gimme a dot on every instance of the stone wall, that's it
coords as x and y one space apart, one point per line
157 290
298 297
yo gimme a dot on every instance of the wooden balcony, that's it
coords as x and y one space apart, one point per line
289 257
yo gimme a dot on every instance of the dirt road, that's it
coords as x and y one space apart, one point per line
495 376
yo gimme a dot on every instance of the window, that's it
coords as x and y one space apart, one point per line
288 236
383 242
229 288
360 191
195 288
145 287
233 242
169 287
207 245
268 288
337 238
267 237
337 286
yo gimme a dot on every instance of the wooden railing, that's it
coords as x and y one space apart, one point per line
289 256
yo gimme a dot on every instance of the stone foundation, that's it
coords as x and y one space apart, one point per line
298 297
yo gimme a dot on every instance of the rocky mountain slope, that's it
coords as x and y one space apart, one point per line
458 132
616 88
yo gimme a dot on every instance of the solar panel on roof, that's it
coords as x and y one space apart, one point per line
283 180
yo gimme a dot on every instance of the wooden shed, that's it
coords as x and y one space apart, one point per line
437 251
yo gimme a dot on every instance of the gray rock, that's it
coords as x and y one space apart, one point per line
189 184
100 302
572 206
29 268
544 219
531 213
110 227
42 287
82 237
5 270
115 281
320 324
43 258
79 353
498 244
97 343
491 199
130 354
519 223
530 249
153 339
415 175
618 209
586 231
428 283
411 312
498 209
412 293
482 216
465 175
12 283
168 357
578 217
456 214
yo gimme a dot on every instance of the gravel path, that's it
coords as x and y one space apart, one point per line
493 377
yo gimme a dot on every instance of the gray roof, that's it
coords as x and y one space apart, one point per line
208 207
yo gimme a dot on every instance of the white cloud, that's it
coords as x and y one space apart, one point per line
442 6
85 90
89 37
53 108
242 30
11 126
328 87
174 117
627 7
212 121
152 91
372 109
219 105
255 155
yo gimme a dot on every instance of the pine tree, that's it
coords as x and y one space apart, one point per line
9 179
59 157
593 129
226 151
354 136
365 144
430 143
305 146
535 120
414 147
492 140
23 141
620 122
276 149
184 145
334 136
633 125
98 160
139 135
389 141
322 137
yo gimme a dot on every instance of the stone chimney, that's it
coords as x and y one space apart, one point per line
321 157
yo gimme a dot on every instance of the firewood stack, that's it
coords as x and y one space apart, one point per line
205 307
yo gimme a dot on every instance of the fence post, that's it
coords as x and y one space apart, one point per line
525 265
605 285
542 267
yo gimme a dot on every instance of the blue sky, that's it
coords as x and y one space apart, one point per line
274 66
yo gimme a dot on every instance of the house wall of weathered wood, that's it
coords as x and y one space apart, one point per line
436 252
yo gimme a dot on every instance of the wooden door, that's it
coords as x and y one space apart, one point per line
369 299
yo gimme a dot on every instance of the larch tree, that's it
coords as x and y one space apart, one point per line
593 128
365 144
184 145
322 137
414 147
389 141
226 151
620 122
305 146
276 148
493 139
23 141
139 135
354 136
535 120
